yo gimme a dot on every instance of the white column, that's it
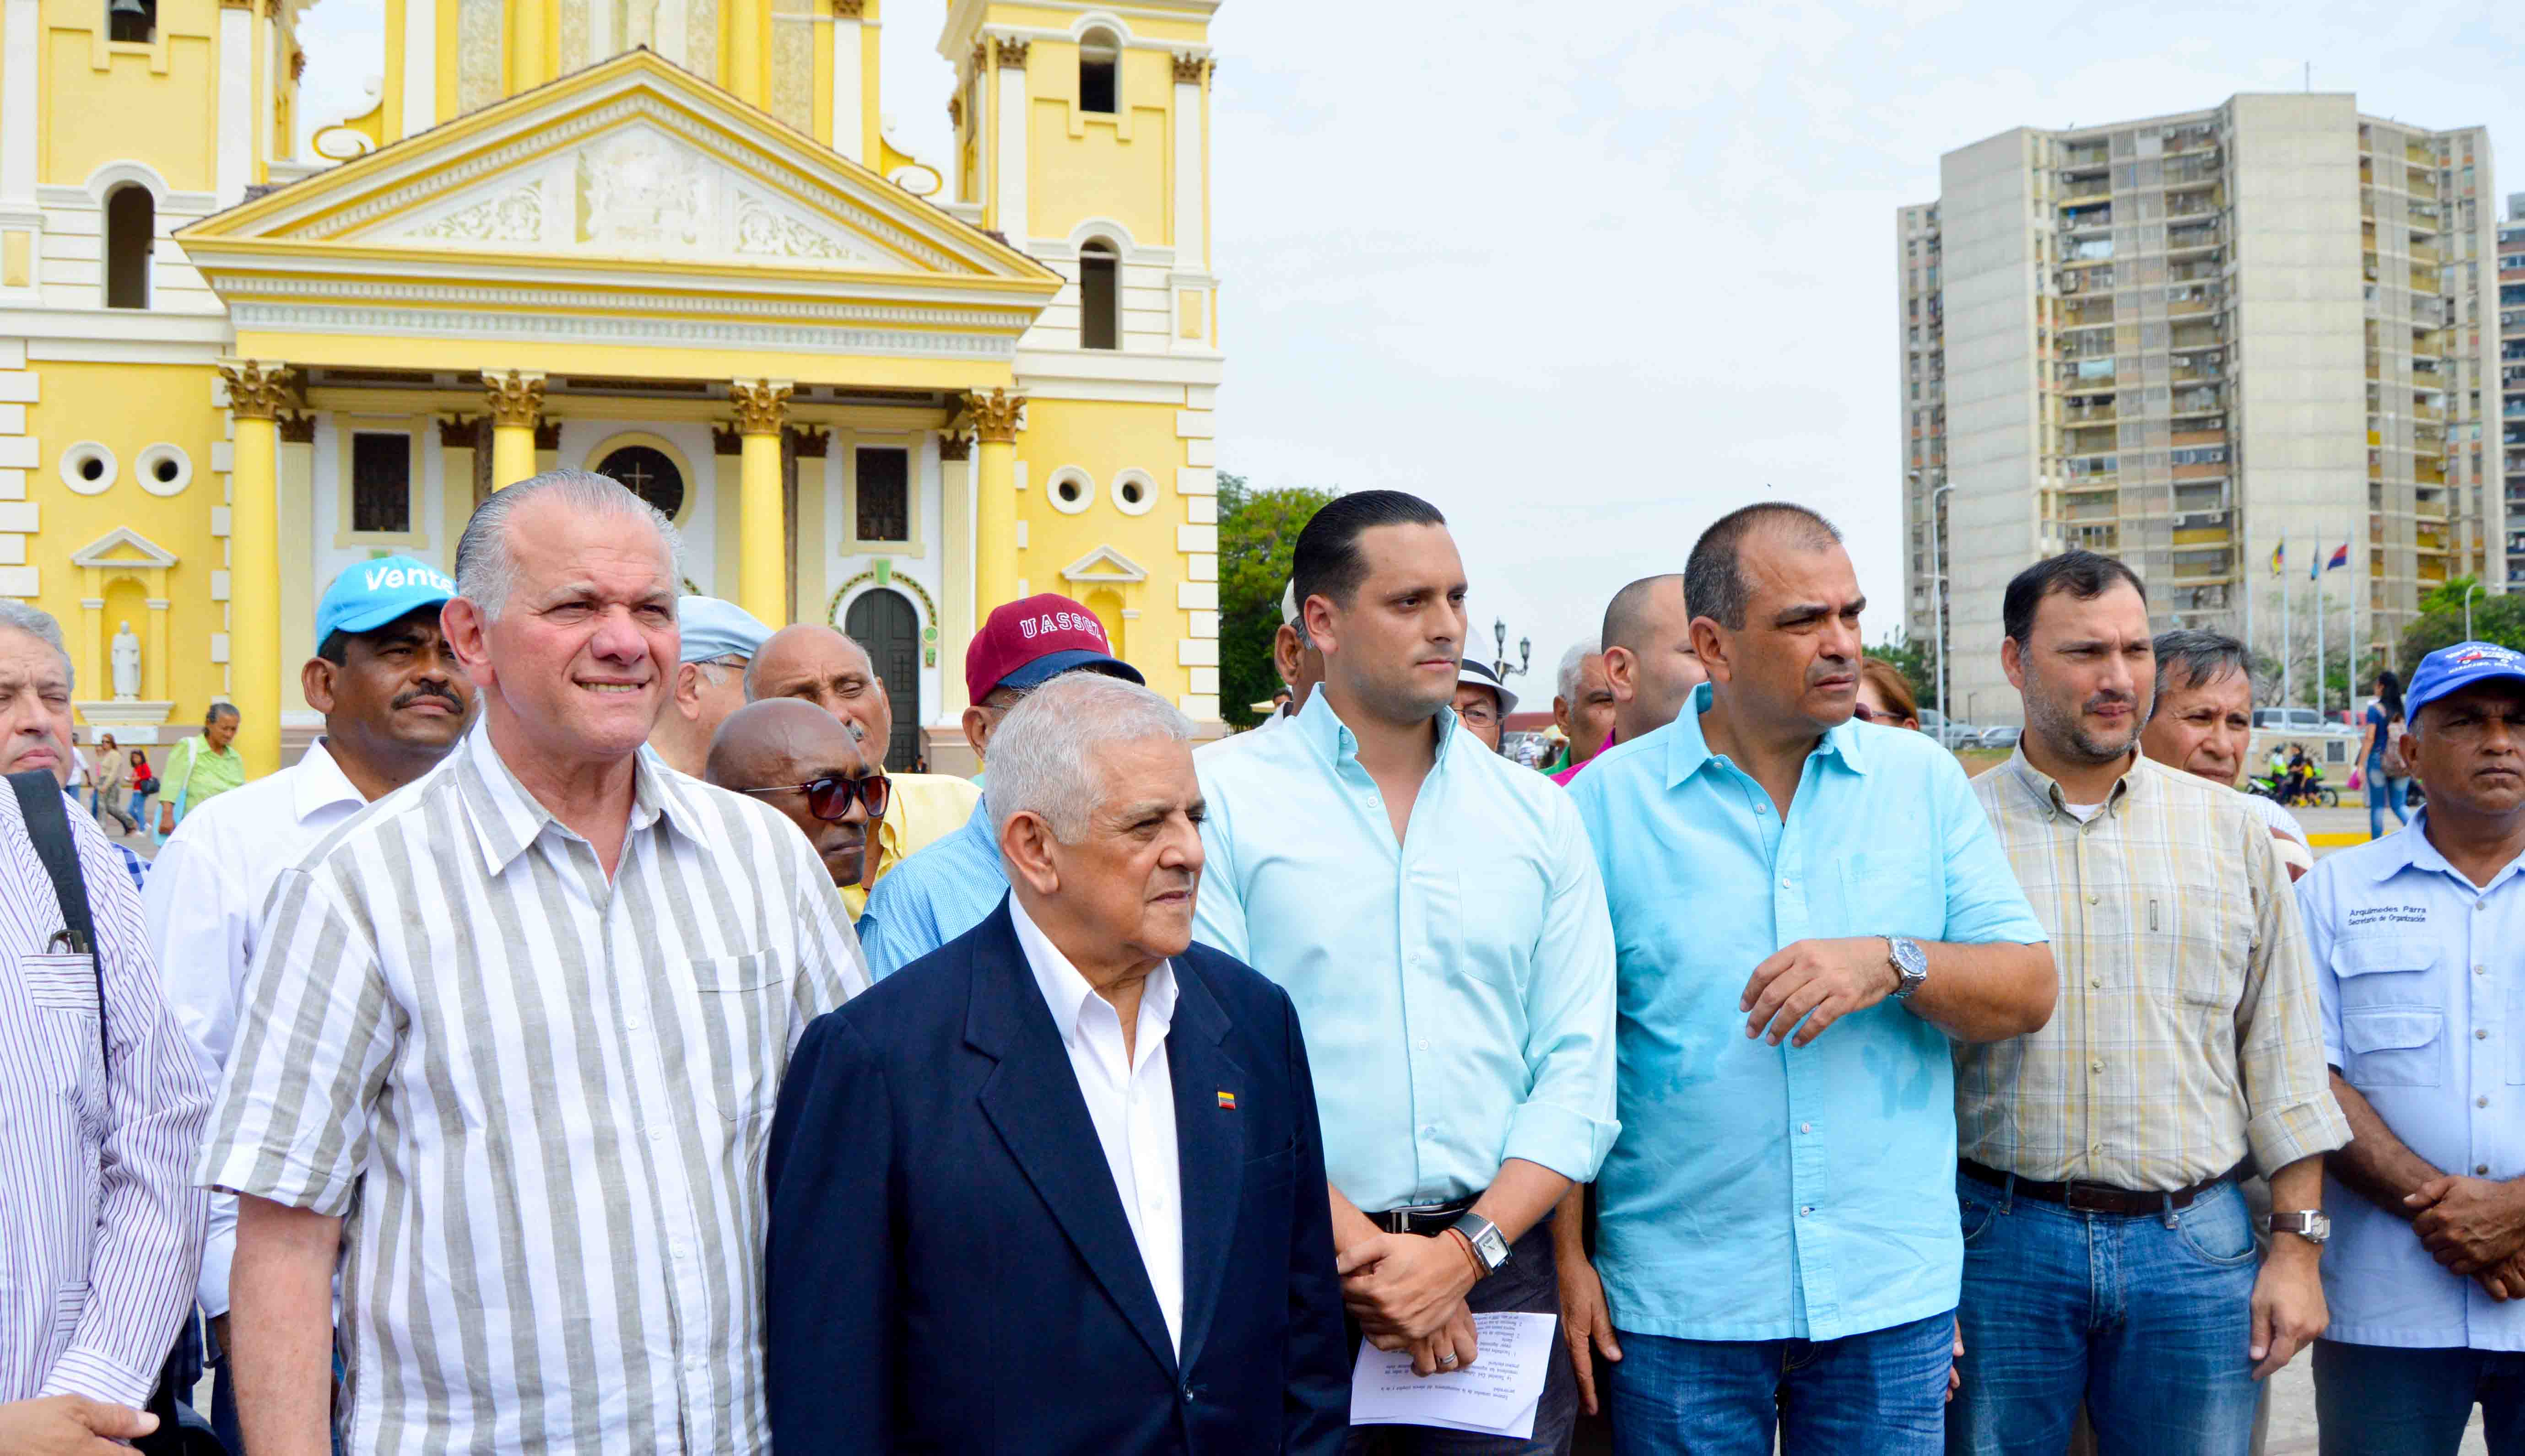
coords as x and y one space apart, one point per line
847 121
1191 180
1011 166
420 62
17 38
235 167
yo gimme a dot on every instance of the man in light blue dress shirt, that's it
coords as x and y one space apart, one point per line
2419 939
1806 911
1433 911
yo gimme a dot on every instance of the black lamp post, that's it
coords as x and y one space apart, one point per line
1524 651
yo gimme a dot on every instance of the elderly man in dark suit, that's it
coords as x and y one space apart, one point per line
1058 1187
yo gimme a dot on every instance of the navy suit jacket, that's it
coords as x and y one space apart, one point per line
948 1268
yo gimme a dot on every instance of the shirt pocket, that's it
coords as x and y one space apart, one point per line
2393 1016
1494 922
1887 893
744 1014
69 1051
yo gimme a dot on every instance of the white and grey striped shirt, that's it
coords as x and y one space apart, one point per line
100 1230
540 1101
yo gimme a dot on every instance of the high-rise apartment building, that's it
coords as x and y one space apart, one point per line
2217 345
2511 381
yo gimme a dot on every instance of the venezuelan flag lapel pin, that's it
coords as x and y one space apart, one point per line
1226 1100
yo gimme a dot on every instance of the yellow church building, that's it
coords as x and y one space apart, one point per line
668 240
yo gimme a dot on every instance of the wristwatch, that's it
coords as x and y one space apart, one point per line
1484 1236
1910 963
2311 1225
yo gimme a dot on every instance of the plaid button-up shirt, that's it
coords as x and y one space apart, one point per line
2188 1033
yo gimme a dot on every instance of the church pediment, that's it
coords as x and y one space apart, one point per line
1104 567
125 548
630 208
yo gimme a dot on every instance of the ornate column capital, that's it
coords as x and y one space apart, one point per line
850 10
762 405
258 388
995 416
516 398
810 442
1013 53
953 446
297 427
459 431
1193 69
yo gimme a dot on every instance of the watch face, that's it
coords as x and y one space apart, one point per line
1909 957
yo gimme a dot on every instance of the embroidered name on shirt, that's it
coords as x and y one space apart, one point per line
2364 915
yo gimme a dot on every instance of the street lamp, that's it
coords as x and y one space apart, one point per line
2469 588
1938 605
1524 651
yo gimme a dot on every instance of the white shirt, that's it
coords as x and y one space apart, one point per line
1131 1100
100 1230
540 1097
203 903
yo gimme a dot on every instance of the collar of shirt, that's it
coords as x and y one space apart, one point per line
507 818
1070 999
2046 791
1687 751
1323 731
320 784
2411 849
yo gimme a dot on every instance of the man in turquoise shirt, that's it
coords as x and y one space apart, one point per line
1805 909
1433 911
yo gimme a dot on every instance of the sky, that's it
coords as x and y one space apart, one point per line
1590 276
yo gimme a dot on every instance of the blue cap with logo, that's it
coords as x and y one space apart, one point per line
374 593
713 629
2452 669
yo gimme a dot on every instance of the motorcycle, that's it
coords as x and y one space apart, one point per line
2292 793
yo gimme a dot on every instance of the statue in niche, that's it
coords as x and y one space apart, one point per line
127 665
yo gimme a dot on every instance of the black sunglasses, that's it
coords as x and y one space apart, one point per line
829 798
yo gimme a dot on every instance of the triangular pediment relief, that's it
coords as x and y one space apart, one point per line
125 548
632 159
1104 566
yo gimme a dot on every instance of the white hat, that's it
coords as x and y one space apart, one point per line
1289 604
1472 672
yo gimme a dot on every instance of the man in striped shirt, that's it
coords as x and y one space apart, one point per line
512 1041
100 1234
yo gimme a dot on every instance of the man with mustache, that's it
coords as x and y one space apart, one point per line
1809 913
802 761
2415 940
394 703
2109 1253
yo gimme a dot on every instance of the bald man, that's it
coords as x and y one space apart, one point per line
818 664
797 757
1649 660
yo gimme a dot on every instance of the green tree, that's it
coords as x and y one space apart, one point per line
2495 618
1258 533
1915 661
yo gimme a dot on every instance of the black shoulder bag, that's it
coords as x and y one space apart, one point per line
48 829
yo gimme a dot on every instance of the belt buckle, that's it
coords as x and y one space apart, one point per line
2073 1197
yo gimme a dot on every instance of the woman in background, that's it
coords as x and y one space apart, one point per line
1884 696
2380 751
110 784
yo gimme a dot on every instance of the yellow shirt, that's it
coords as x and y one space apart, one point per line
925 806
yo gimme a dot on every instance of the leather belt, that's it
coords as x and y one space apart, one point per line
2092 1198
1422 1217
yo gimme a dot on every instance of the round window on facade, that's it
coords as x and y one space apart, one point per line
89 467
164 469
1134 493
1071 491
650 474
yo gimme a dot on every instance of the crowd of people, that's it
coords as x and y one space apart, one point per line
588 1046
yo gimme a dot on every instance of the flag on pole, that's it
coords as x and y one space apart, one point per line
2279 558
2339 559
2315 569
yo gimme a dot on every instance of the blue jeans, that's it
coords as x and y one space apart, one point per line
1882 1393
2147 1317
2374 1400
2381 793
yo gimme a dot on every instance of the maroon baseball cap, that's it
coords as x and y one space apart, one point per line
1030 642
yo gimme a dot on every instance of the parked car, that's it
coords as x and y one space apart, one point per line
1955 734
2297 720
2000 737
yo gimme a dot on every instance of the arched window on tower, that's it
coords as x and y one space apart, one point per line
131 21
1100 55
1100 296
130 227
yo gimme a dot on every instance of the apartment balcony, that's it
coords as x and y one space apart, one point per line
2418 155
2191 307
2428 539
2194 239
2188 373
2424 474
2202 203
2085 219
2425 255
2430 571
2103 413
2198 402
2084 484
2199 437
2083 189
2081 158
2215 470
2428 412
2204 536
2191 140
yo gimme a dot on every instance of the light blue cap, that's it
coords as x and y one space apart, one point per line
715 629
374 593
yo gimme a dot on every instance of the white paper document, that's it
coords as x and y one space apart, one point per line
1498 1395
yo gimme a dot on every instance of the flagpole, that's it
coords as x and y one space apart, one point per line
2288 639
2321 679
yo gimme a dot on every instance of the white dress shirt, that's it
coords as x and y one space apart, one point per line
100 1230
1131 1100
203 903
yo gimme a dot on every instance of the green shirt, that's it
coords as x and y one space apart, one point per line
195 774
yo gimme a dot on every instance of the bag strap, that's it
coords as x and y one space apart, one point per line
48 828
